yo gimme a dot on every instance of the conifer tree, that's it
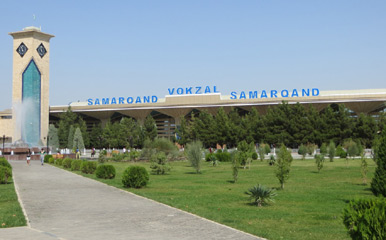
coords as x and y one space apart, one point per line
53 137
378 184
150 128
70 137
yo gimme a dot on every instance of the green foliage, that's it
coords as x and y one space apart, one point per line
323 149
223 156
303 151
352 148
59 161
51 160
331 151
5 163
67 119
311 148
261 195
78 140
88 167
159 164
366 218
105 171
47 157
53 138
102 156
341 152
67 162
5 174
272 160
263 149
208 156
284 161
160 145
364 168
76 164
150 128
194 154
255 156
245 151
319 161
212 158
378 184
235 166
70 140
135 177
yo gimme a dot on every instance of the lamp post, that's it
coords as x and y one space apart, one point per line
48 140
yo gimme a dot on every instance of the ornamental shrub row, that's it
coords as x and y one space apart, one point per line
88 167
5 174
67 163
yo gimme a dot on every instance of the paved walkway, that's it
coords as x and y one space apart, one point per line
63 205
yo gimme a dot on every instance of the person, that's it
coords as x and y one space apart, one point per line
77 156
28 156
42 153
93 152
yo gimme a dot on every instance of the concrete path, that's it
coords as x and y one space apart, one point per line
63 205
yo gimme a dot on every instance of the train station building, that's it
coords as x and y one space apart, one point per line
31 113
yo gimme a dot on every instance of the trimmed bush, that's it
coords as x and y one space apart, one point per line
366 218
223 156
254 156
88 167
5 174
5 163
59 162
208 157
47 157
75 165
105 171
51 160
135 177
67 163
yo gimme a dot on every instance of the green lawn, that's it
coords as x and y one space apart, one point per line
310 206
11 214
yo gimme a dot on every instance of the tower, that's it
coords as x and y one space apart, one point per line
30 89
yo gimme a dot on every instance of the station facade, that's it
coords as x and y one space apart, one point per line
31 113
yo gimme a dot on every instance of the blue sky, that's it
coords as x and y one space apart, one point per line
136 48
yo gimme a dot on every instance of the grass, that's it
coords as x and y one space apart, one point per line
310 206
11 214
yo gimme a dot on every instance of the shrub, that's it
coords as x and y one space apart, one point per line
5 174
88 167
319 160
352 148
67 163
59 162
272 160
235 166
331 151
209 156
366 218
311 148
261 195
323 149
47 157
51 160
302 151
223 156
75 165
134 155
102 156
105 171
159 163
341 152
5 163
254 156
135 177
378 184
284 161
194 154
